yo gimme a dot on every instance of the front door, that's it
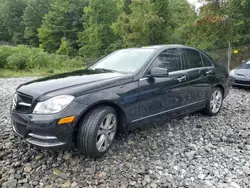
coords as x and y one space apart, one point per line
166 94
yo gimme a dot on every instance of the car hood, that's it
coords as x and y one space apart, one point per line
242 71
73 83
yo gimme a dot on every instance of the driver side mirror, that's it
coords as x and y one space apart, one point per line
159 72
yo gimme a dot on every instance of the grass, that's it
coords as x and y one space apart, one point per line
33 73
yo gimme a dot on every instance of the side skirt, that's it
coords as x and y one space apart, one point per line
165 116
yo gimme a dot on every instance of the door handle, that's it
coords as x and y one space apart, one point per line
209 72
181 79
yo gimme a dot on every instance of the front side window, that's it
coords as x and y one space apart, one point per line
169 59
126 60
193 58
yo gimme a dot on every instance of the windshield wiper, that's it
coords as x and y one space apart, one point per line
105 70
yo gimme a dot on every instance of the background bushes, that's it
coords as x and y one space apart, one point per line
5 52
24 58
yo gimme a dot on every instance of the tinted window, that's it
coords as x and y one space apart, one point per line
206 61
193 58
169 59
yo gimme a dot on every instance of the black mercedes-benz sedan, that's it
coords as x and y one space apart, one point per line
128 88
240 76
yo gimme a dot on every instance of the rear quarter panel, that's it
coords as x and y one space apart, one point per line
222 78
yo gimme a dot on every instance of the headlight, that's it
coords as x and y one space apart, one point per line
232 73
53 105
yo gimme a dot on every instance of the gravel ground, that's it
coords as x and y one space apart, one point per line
193 151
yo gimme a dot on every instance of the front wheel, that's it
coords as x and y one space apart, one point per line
97 131
214 102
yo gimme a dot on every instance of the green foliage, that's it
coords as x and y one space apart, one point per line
26 58
17 61
32 19
144 24
4 34
152 28
11 12
5 52
220 22
182 16
153 22
63 20
121 26
208 31
93 28
66 48
97 37
239 18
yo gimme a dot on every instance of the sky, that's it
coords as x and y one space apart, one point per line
195 2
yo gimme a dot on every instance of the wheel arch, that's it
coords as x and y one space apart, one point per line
122 119
222 88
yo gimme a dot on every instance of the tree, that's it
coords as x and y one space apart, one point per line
4 34
152 29
121 27
11 12
163 22
93 28
239 15
65 48
97 37
182 16
64 20
32 19
210 30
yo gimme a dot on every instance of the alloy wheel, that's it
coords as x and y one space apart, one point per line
106 132
216 101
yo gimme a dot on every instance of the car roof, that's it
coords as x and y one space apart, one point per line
167 46
158 48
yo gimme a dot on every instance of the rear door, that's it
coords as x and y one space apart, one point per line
208 71
198 74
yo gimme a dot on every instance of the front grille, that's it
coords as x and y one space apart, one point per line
23 103
242 82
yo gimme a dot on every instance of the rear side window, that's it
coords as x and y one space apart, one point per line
169 59
193 58
206 61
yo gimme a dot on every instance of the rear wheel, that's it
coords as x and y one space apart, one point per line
97 131
214 102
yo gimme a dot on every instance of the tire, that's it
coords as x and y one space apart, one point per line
214 109
96 134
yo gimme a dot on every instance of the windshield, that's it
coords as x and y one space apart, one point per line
245 65
127 60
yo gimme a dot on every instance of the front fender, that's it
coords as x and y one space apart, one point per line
125 97
92 98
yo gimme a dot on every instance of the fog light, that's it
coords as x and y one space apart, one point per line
66 120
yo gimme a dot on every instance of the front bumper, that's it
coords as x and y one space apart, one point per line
235 81
43 130
41 141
